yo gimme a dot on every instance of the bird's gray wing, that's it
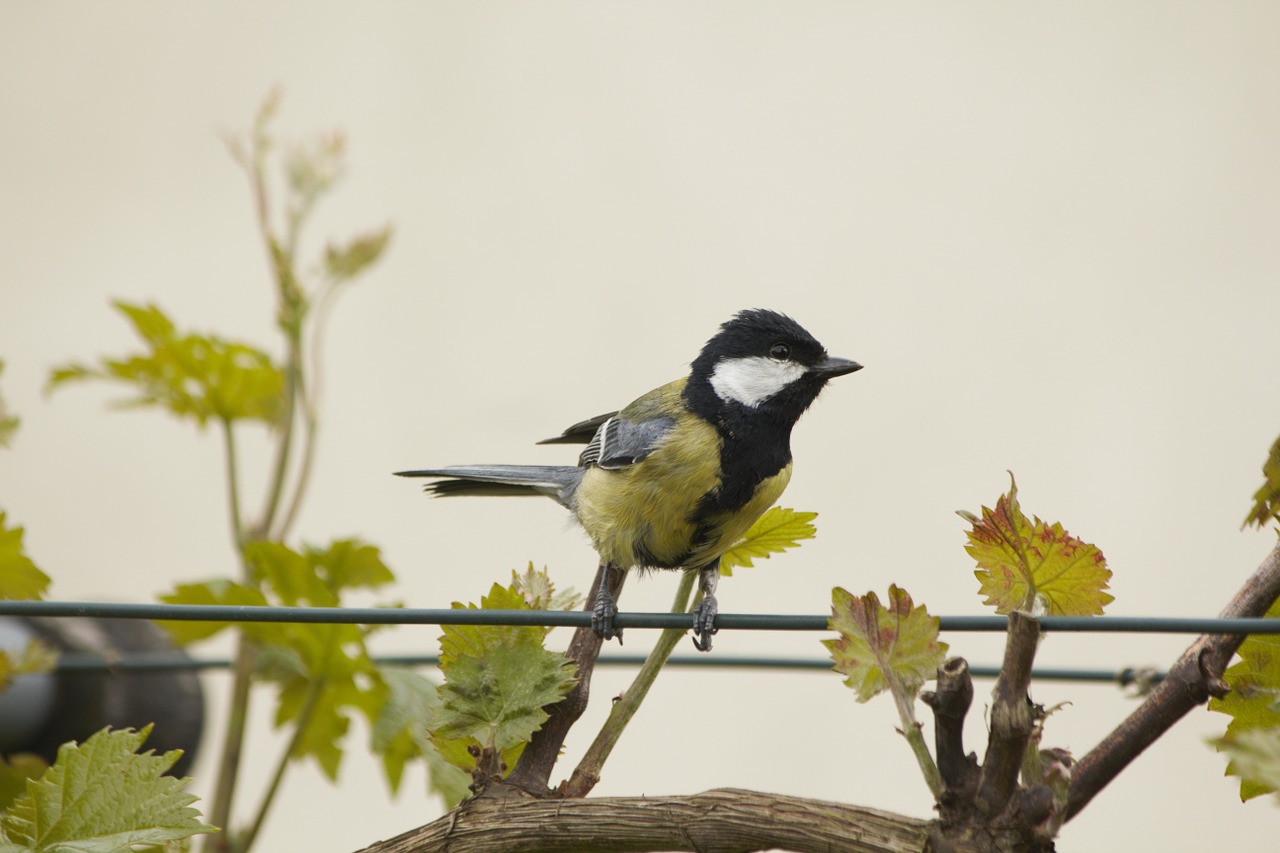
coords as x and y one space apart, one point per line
620 442
581 432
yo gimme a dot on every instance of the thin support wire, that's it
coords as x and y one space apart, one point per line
86 662
579 618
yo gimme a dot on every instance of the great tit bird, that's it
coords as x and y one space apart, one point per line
673 480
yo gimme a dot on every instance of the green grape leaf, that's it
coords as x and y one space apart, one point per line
1254 701
880 644
460 641
497 681
193 376
217 591
1026 564
1266 501
774 532
344 263
498 699
8 422
1255 758
19 577
34 657
399 734
101 797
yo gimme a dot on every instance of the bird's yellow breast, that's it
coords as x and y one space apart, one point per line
644 514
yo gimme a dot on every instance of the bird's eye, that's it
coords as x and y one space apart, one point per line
781 352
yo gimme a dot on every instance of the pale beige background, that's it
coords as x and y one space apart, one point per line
1048 230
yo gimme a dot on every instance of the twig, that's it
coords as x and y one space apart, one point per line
587 773
232 746
911 730
233 483
314 690
950 704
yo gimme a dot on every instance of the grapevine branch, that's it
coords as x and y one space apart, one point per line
718 821
1195 677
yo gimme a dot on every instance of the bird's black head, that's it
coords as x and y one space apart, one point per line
765 362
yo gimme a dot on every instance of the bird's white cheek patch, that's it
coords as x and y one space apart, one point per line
754 379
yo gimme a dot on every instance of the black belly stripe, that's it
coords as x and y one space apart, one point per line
752 449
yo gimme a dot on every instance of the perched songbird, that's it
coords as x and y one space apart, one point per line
676 478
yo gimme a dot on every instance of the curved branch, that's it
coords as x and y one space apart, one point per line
719 821
1191 681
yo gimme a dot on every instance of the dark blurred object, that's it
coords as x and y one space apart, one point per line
38 713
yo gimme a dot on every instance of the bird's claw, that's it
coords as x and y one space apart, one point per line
602 613
704 623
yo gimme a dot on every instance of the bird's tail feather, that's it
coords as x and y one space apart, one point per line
553 481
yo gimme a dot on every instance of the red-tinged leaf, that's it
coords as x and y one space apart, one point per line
879 644
1032 565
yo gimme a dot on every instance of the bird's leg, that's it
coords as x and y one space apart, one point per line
605 607
704 615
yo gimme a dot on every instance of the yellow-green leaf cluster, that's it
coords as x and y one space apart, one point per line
1266 501
201 377
323 672
879 644
19 577
102 796
1032 565
774 532
1254 701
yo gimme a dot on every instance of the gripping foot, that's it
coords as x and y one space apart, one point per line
704 623
603 611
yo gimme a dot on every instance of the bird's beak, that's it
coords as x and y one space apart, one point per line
833 367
